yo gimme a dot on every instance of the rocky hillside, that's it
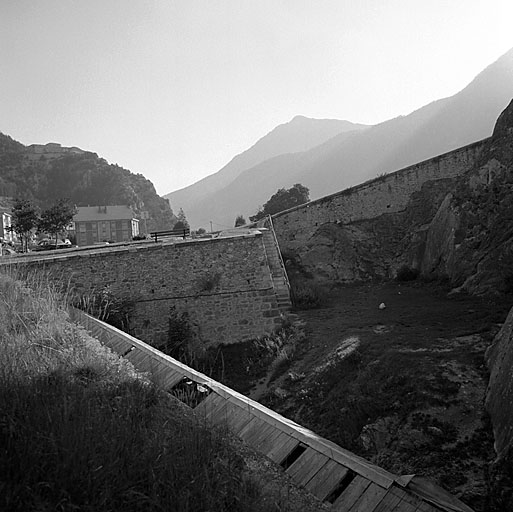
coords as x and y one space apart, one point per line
45 173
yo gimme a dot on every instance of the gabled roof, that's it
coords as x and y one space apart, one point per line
99 213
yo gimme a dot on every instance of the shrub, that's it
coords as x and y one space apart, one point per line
307 294
107 306
179 335
406 273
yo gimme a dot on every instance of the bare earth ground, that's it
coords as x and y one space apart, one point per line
402 386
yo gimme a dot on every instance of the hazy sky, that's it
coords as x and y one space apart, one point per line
173 89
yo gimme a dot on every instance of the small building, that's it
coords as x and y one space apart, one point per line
97 224
5 225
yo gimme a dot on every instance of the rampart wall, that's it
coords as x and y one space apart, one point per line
224 284
385 194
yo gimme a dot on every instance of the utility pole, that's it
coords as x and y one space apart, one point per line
211 227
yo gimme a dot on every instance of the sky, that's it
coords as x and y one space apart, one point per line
174 89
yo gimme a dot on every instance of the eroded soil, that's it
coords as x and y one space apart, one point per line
402 386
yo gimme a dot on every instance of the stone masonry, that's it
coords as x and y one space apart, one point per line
224 284
385 194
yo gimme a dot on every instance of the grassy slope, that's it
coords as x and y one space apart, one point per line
81 430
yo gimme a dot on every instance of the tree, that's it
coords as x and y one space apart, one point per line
24 219
55 219
240 221
283 200
182 221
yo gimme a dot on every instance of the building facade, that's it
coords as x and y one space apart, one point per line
100 224
5 225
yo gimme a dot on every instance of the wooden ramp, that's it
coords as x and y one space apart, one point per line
336 476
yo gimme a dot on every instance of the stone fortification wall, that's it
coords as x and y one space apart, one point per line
386 194
224 284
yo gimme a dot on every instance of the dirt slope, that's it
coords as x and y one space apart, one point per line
402 386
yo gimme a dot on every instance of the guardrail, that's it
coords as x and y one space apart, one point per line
171 232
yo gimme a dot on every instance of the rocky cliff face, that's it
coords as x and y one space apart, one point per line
499 404
471 237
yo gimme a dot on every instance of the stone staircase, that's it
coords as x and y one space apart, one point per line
277 267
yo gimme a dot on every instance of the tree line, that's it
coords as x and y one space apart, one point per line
26 218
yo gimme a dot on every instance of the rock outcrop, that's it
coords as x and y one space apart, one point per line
499 404
470 239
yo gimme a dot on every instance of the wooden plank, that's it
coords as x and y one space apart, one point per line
170 379
138 358
323 483
411 502
370 499
351 495
206 408
216 414
304 468
219 415
426 507
277 441
354 462
252 430
162 375
388 503
265 443
238 417
234 418
279 451
404 506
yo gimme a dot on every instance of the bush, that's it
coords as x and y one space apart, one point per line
307 295
179 335
406 273
108 307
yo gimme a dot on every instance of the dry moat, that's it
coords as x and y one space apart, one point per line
402 386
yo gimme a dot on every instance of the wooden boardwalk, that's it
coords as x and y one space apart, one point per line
334 475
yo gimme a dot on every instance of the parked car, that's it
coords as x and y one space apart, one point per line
48 245
7 250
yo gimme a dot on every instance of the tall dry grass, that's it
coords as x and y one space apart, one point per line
81 430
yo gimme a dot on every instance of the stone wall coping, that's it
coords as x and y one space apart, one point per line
386 177
135 246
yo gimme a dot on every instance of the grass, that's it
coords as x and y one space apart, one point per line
307 294
240 366
81 430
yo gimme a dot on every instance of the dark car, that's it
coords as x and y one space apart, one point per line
49 245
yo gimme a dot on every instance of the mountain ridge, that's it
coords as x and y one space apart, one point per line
344 161
44 173
299 134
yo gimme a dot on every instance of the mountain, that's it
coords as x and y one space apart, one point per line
352 157
298 135
44 173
